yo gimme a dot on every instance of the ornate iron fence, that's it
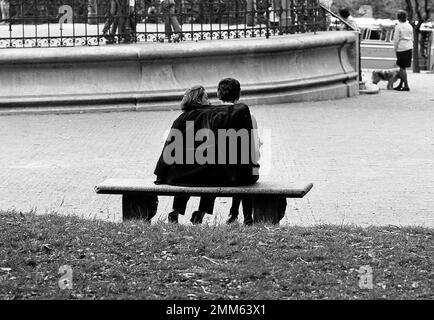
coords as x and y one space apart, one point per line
65 23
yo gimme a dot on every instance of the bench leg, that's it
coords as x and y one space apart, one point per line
136 206
269 209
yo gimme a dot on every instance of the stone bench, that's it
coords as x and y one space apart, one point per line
139 196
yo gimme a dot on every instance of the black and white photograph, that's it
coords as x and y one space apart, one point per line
216 158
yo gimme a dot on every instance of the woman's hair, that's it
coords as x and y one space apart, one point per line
402 16
193 97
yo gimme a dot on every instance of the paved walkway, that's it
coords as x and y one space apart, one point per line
371 158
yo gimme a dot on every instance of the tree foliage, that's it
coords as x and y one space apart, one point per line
385 9
419 11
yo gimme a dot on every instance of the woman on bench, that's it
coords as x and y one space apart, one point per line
194 99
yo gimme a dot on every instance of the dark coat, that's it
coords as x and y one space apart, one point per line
210 174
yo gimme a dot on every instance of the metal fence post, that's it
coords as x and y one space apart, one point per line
360 58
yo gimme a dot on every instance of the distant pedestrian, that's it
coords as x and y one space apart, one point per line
111 21
349 19
120 21
328 5
170 20
403 42
4 7
130 23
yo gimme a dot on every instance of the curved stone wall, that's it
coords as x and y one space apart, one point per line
154 76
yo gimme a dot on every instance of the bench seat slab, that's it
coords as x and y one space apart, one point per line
146 186
140 196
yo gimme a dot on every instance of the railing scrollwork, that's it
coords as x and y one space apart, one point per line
66 23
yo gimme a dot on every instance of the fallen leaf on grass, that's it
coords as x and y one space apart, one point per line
271 229
233 242
47 247
123 233
204 290
298 258
392 226
382 285
211 260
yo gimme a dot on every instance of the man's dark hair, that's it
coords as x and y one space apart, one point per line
229 90
402 16
344 13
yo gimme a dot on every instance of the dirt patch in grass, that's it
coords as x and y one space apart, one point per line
136 261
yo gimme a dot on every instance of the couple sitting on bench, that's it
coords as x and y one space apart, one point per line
197 152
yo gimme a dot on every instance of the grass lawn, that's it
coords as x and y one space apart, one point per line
136 261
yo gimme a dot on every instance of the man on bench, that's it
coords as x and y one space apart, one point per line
211 146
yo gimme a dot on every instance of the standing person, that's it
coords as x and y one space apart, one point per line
4 7
130 25
170 20
403 43
348 18
109 29
120 19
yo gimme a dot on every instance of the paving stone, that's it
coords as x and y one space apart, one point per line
371 158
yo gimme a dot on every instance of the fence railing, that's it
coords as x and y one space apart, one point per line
66 23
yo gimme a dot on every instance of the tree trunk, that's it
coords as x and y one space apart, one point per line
416 35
